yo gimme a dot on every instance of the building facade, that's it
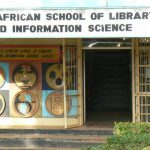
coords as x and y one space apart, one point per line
60 67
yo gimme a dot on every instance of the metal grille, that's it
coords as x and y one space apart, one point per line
142 80
71 88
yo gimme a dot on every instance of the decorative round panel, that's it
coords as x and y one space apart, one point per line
25 104
25 76
55 103
2 104
54 76
2 77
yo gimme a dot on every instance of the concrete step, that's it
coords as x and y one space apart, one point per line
51 139
45 143
57 131
88 138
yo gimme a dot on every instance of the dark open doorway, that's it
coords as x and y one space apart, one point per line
108 86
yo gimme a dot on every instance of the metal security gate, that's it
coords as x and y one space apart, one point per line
72 85
141 80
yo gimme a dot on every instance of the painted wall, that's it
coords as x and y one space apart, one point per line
16 98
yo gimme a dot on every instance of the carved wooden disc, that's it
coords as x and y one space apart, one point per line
25 76
54 76
2 77
25 104
2 104
55 103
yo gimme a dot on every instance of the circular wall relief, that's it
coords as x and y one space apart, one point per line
25 104
54 76
25 76
55 103
2 104
2 77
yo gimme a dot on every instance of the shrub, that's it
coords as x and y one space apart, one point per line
123 128
127 136
128 142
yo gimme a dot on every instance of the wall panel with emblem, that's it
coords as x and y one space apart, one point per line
4 103
4 76
4 89
53 104
32 86
53 94
25 96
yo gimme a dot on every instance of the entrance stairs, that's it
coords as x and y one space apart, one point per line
51 139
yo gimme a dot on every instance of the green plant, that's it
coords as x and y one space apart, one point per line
123 128
129 141
98 147
127 136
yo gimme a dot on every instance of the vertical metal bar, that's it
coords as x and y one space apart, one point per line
70 60
142 106
141 81
79 79
67 56
73 66
133 82
137 79
147 82
146 109
64 79
76 62
144 85
75 69
139 70
145 68
84 89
